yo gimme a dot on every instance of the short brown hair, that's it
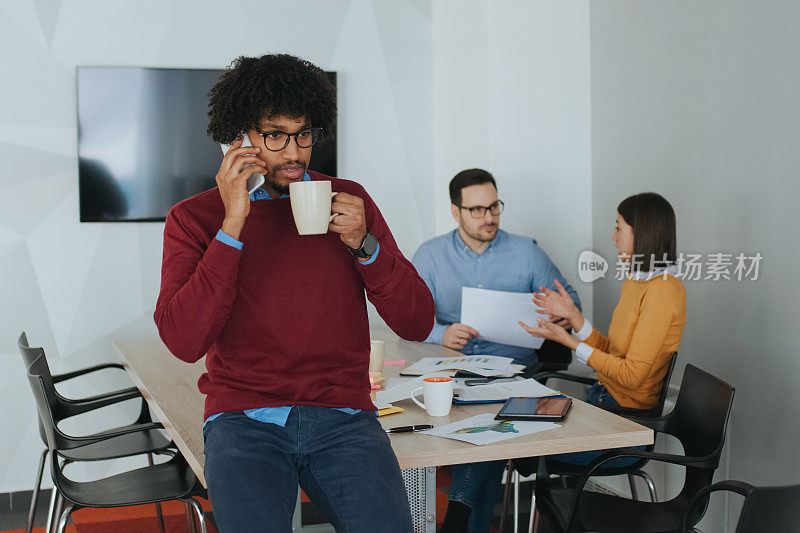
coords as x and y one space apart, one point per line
465 178
653 221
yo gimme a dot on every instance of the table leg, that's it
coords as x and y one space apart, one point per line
421 488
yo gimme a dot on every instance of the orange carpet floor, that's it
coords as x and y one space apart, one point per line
143 518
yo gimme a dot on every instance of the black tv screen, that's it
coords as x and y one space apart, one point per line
142 141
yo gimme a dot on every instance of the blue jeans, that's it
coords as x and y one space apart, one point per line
477 485
596 394
343 462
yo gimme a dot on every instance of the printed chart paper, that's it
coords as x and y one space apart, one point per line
495 315
503 391
482 365
484 429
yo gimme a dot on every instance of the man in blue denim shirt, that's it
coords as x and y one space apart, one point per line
479 254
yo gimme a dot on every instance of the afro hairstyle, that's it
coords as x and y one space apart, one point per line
270 85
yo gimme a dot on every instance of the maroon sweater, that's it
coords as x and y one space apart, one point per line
284 320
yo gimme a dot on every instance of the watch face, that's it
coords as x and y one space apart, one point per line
370 244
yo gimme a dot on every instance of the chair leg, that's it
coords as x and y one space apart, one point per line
57 512
297 516
65 514
190 517
160 516
507 494
199 510
51 510
650 485
159 512
632 482
532 522
36 490
515 478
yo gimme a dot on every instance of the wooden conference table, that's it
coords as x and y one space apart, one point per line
170 387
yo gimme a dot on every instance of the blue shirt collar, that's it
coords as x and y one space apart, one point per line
461 245
262 194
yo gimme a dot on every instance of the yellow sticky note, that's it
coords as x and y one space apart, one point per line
389 411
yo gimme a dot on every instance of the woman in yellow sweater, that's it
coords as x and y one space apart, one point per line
647 323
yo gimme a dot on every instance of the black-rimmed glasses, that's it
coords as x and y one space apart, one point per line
276 140
479 211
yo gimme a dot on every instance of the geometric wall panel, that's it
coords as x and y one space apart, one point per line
76 287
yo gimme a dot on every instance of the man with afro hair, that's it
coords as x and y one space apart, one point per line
282 318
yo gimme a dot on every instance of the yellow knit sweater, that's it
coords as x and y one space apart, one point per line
645 330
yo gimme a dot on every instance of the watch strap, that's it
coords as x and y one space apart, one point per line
361 251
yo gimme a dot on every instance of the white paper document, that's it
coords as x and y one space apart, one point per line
484 429
457 382
495 315
503 391
482 365
381 405
399 392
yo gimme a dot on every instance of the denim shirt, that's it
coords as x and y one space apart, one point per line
509 263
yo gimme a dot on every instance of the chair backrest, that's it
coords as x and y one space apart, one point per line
662 397
38 378
764 509
556 356
50 405
700 417
770 509
699 421
29 355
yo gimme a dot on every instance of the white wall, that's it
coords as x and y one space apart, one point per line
698 101
75 287
512 95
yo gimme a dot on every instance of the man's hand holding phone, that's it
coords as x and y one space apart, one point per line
237 165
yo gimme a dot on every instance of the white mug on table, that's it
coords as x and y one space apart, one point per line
311 206
438 394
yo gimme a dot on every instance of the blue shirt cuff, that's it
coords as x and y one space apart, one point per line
374 256
436 335
227 239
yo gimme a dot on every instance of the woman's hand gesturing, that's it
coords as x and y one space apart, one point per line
553 332
559 305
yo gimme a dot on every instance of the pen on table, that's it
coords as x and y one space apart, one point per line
406 429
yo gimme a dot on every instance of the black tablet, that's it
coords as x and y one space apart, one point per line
552 408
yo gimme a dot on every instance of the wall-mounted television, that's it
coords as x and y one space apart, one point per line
142 141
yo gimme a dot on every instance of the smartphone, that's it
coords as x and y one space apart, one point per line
255 180
551 408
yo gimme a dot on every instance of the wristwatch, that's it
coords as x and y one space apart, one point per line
369 244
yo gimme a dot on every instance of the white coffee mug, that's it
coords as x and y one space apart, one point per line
311 206
438 394
377 351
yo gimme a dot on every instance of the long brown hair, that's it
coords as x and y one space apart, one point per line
653 221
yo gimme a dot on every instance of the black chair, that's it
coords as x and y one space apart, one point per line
652 412
632 471
552 357
147 439
773 509
699 421
528 466
171 480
